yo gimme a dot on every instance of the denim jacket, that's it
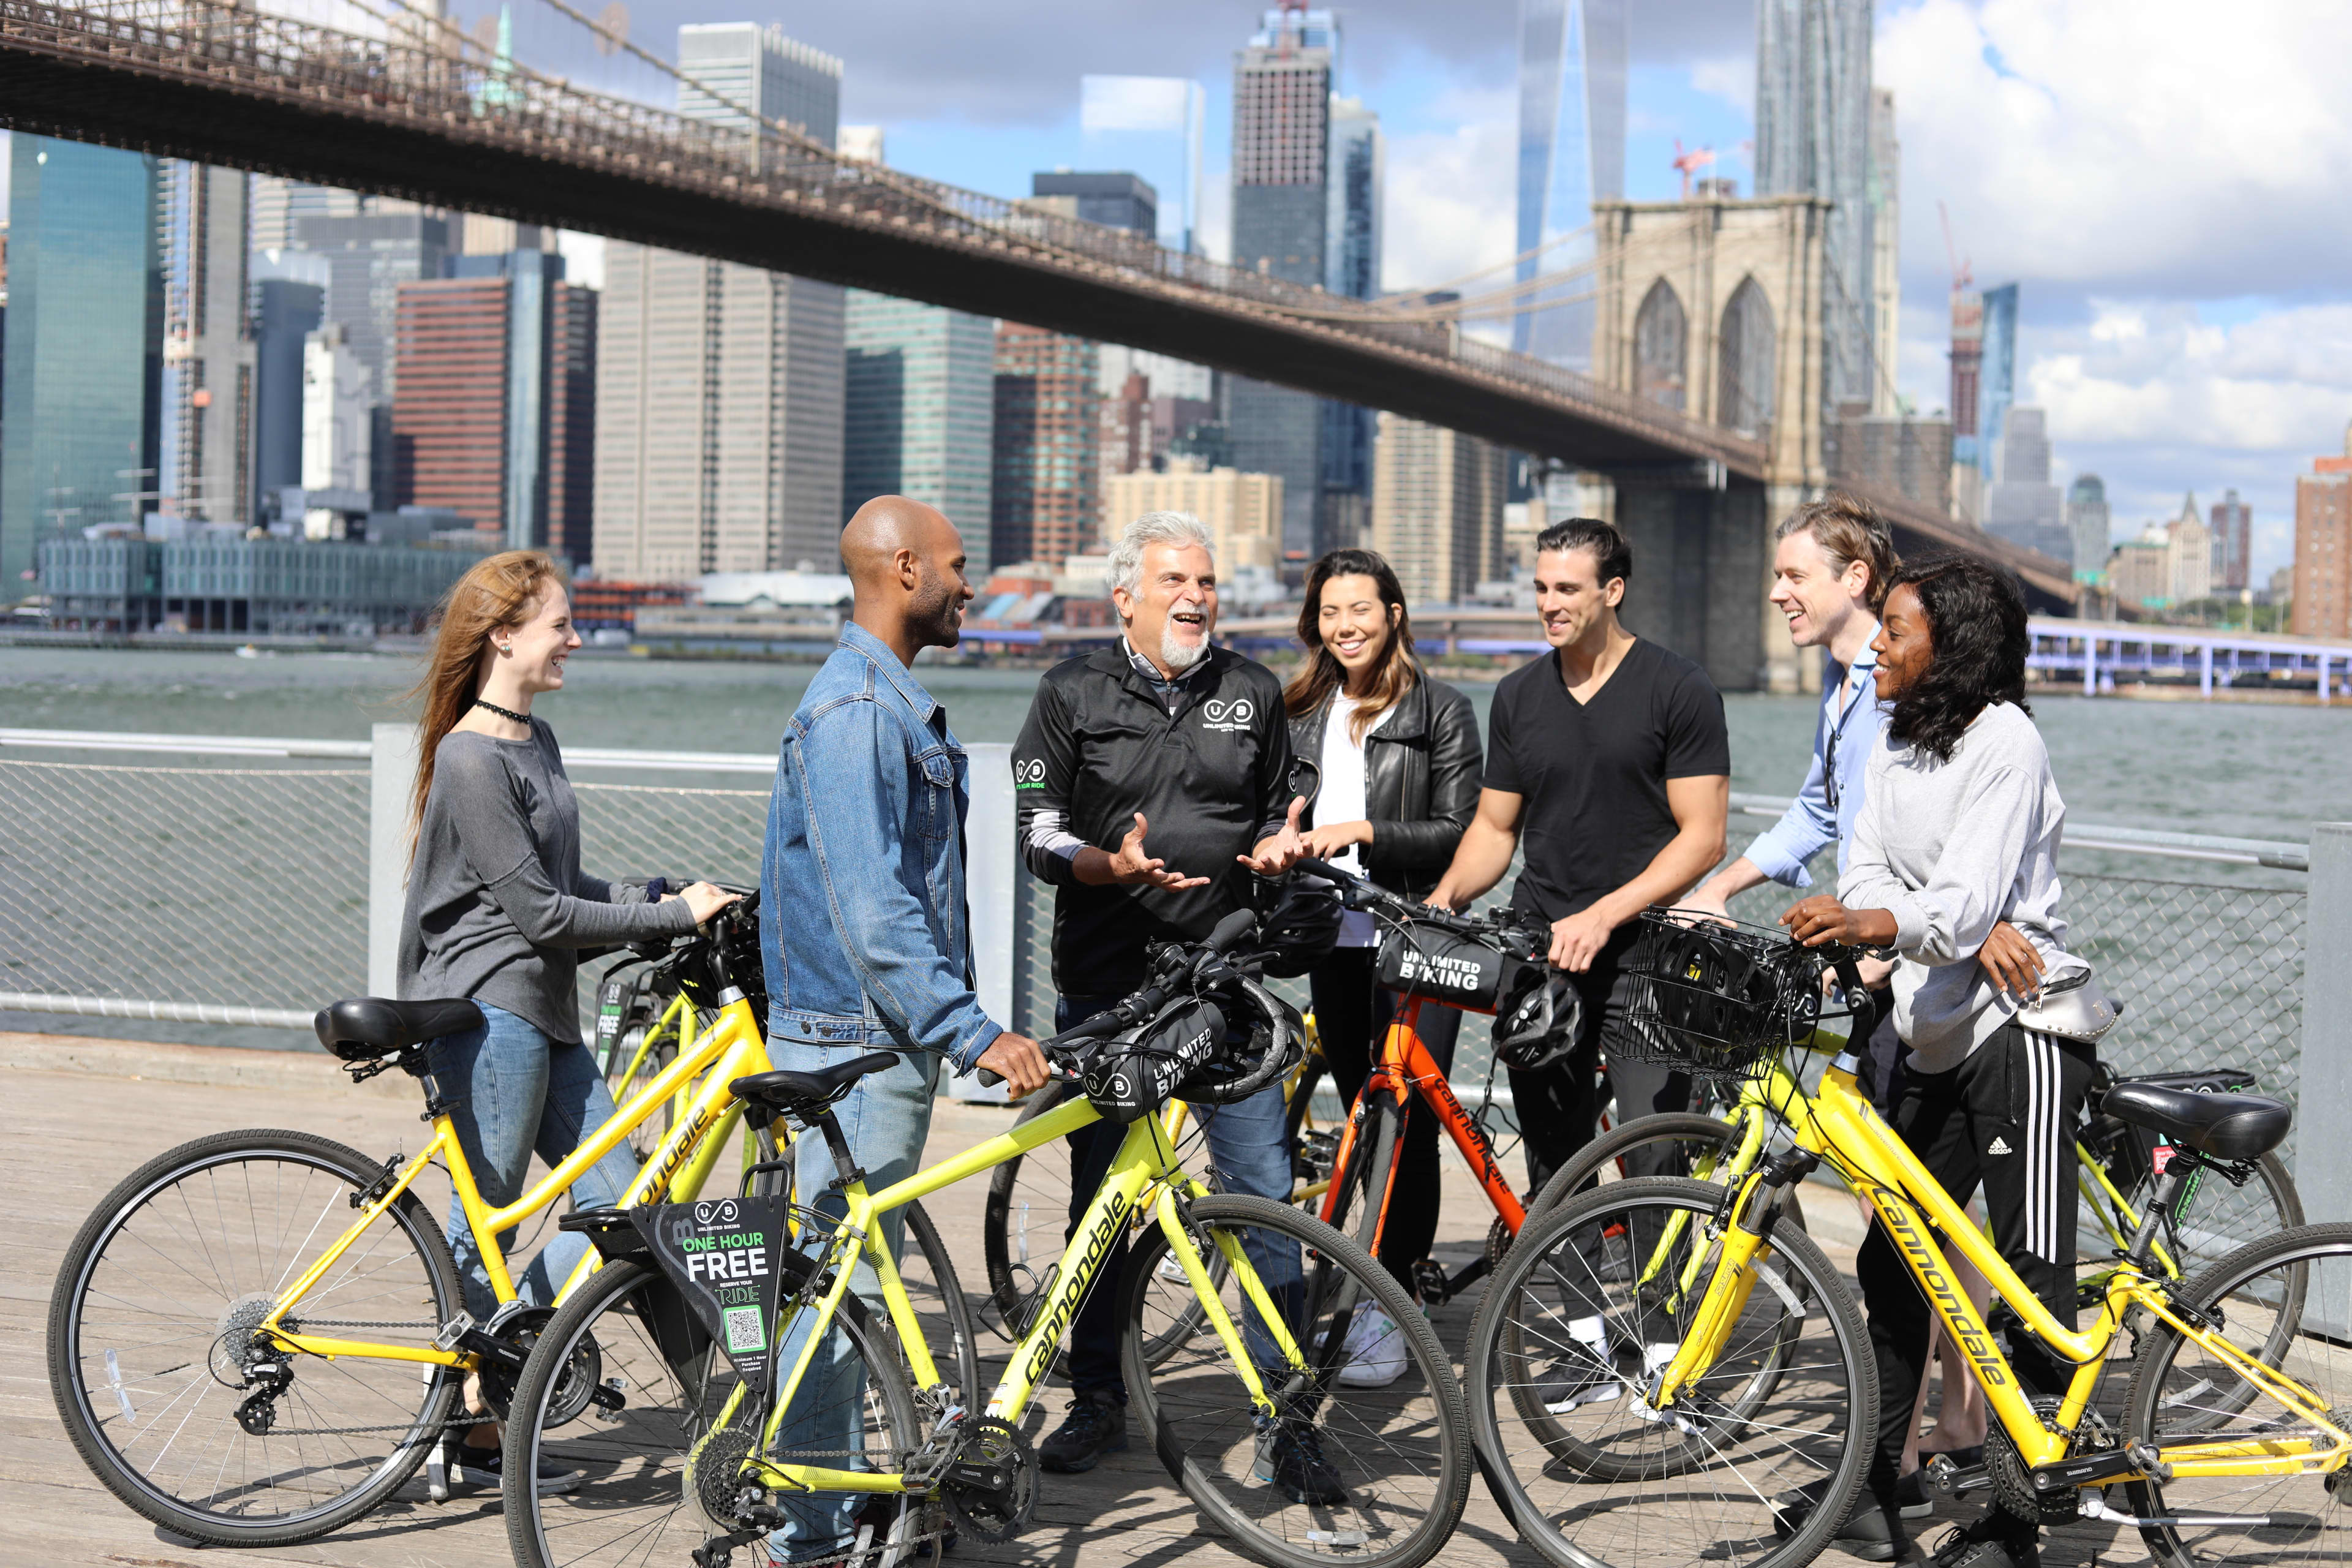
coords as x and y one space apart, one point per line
863 923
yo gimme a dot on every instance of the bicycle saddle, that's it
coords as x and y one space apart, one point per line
366 1027
787 1091
2225 1126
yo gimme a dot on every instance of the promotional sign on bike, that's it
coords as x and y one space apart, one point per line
1455 970
721 1255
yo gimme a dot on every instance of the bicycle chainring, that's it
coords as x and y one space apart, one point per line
1499 1242
2012 1480
991 1485
496 1381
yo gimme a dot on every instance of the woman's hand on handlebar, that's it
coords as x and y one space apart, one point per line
1821 920
704 899
1016 1059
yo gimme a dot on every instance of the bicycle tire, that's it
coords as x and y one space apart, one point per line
1693 1129
2165 1400
1193 1409
1362 1184
640 1488
646 1136
1636 1480
329 1395
1022 1234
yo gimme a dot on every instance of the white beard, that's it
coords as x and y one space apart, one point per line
1180 656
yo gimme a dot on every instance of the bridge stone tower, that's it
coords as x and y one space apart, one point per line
1713 308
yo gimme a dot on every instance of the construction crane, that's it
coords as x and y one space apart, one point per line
1690 163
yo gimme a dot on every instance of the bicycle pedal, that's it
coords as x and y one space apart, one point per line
453 1332
1946 1480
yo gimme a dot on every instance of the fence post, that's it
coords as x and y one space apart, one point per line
989 871
2322 1140
392 774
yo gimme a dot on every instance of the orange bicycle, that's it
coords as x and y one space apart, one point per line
1493 963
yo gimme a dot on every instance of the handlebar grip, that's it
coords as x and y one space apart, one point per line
989 1079
1231 930
1323 868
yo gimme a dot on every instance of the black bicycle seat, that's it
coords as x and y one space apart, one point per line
786 1090
2225 1126
366 1027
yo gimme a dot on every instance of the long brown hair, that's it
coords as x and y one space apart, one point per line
1323 674
501 590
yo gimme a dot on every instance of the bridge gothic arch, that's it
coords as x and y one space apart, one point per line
1748 366
1662 348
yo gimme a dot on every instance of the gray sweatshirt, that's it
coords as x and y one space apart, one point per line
496 898
1952 849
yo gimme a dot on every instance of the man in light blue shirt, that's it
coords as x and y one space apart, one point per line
1829 570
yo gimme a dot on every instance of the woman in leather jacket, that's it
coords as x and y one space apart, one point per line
1397 762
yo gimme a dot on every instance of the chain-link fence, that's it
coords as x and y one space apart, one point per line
165 884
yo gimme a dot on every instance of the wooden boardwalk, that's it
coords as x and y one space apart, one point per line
85 1113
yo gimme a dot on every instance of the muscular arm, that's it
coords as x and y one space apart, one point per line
1484 853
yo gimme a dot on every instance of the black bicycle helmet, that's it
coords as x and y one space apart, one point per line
1536 1025
1301 927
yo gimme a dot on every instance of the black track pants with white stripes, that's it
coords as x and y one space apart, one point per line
2003 1118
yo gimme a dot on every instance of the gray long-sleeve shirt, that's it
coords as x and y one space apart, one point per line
497 902
1951 849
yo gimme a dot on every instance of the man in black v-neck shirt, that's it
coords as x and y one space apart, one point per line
1607 761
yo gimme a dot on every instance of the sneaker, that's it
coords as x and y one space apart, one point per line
1094 1427
1374 1352
486 1467
1867 1532
1973 1547
1290 1459
1586 1375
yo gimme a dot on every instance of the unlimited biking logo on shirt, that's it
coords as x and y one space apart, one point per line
1217 714
1028 775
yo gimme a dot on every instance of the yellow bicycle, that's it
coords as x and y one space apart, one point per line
824 1431
1653 1411
259 1336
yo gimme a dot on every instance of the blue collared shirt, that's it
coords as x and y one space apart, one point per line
862 922
1851 720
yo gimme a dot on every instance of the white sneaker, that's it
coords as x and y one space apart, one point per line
1374 1350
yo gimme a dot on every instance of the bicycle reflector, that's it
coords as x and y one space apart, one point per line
1133 1076
1712 998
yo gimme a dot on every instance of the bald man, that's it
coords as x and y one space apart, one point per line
864 927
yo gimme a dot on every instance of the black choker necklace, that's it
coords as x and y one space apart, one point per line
522 719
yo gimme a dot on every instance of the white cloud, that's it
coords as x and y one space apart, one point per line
1732 79
1451 204
2279 384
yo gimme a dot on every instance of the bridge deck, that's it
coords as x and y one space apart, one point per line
156 1097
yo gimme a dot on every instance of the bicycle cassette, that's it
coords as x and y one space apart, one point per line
991 1485
712 1471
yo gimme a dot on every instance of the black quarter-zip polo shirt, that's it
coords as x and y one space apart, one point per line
1209 776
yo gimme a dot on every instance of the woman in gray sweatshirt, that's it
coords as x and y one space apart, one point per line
498 907
1958 833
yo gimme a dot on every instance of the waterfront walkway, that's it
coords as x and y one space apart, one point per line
85 1113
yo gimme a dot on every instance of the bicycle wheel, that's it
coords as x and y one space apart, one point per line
2181 1392
1671 1143
2220 1217
1398 1450
1363 1183
660 1471
1587 1471
150 1342
644 1048
1024 1223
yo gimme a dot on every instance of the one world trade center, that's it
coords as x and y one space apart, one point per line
1572 154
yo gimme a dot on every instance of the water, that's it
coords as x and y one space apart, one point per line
2240 770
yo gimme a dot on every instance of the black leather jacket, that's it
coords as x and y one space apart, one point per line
1421 770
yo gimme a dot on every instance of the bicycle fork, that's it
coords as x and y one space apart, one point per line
1744 1240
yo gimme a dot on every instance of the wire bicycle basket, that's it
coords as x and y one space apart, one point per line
1713 997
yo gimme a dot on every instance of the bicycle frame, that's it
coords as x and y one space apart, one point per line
733 1044
1839 1124
1145 1157
680 1018
1405 1070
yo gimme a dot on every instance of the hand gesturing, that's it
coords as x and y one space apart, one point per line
1131 866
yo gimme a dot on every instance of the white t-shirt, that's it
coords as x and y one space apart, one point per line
1342 799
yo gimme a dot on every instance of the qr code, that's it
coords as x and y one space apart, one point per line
743 1333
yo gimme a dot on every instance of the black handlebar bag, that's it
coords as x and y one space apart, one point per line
1136 1073
1443 967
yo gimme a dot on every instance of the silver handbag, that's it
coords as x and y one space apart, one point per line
2072 1007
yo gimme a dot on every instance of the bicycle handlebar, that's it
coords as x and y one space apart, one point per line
1478 928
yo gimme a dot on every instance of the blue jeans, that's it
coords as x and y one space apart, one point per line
1247 1152
518 1092
885 1119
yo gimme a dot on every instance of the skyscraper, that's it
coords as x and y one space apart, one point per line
1153 124
1886 249
2086 521
2234 539
368 257
920 397
1437 508
208 361
1115 200
83 387
2022 506
1571 154
719 417
289 297
2323 548
1043 497
719 386
1997 376
1813 137
278 204
1968 368
1289 222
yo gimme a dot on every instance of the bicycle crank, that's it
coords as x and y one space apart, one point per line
991 1485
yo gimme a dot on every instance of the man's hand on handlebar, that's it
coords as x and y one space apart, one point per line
1016 1059
704 899
1578 939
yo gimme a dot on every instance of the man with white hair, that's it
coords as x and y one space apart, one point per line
1163 734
